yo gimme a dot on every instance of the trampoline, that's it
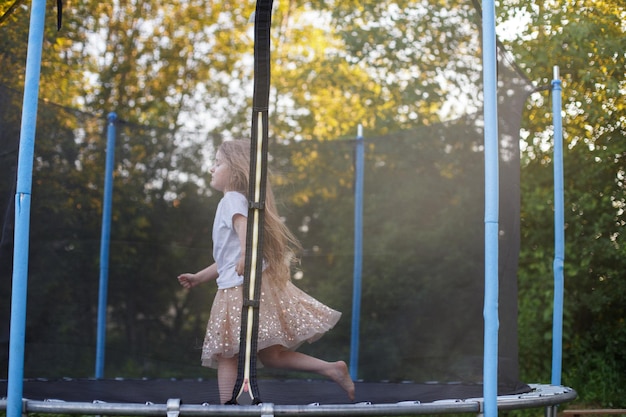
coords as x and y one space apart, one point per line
468 394
289 397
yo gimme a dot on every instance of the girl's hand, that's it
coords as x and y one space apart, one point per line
188 280
239 268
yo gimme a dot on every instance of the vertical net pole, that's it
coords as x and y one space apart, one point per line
490 312
22 210
105 239
559 232
358 252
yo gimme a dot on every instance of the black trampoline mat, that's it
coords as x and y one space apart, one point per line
282 392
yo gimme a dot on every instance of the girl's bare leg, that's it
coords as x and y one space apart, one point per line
278 357
226 377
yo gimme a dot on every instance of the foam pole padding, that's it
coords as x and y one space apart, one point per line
22 210
105 243
490 310
559 232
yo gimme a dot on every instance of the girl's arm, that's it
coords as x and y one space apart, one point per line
240 223
188 280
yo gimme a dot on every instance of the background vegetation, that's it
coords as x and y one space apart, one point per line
184 66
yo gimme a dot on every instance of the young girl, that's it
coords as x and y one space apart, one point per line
288 316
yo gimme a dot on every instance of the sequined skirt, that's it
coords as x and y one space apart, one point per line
288 317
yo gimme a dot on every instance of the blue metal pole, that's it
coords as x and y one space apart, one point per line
105 239
358 252
559 232
490 79
22 210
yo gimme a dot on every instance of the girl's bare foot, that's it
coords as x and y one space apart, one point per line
338 372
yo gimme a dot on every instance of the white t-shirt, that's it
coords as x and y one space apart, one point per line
226 246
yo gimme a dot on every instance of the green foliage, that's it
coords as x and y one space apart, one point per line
598 367
586 39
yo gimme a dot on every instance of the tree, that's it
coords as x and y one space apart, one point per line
586 39
153 167
387 65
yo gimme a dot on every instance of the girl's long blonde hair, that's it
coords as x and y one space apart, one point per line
279 243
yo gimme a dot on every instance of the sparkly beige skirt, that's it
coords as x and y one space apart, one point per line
288 317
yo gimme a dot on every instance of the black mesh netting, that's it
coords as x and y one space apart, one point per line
423 265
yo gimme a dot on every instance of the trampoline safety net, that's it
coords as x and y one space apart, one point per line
423 248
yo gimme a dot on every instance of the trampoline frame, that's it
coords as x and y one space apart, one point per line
541 395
